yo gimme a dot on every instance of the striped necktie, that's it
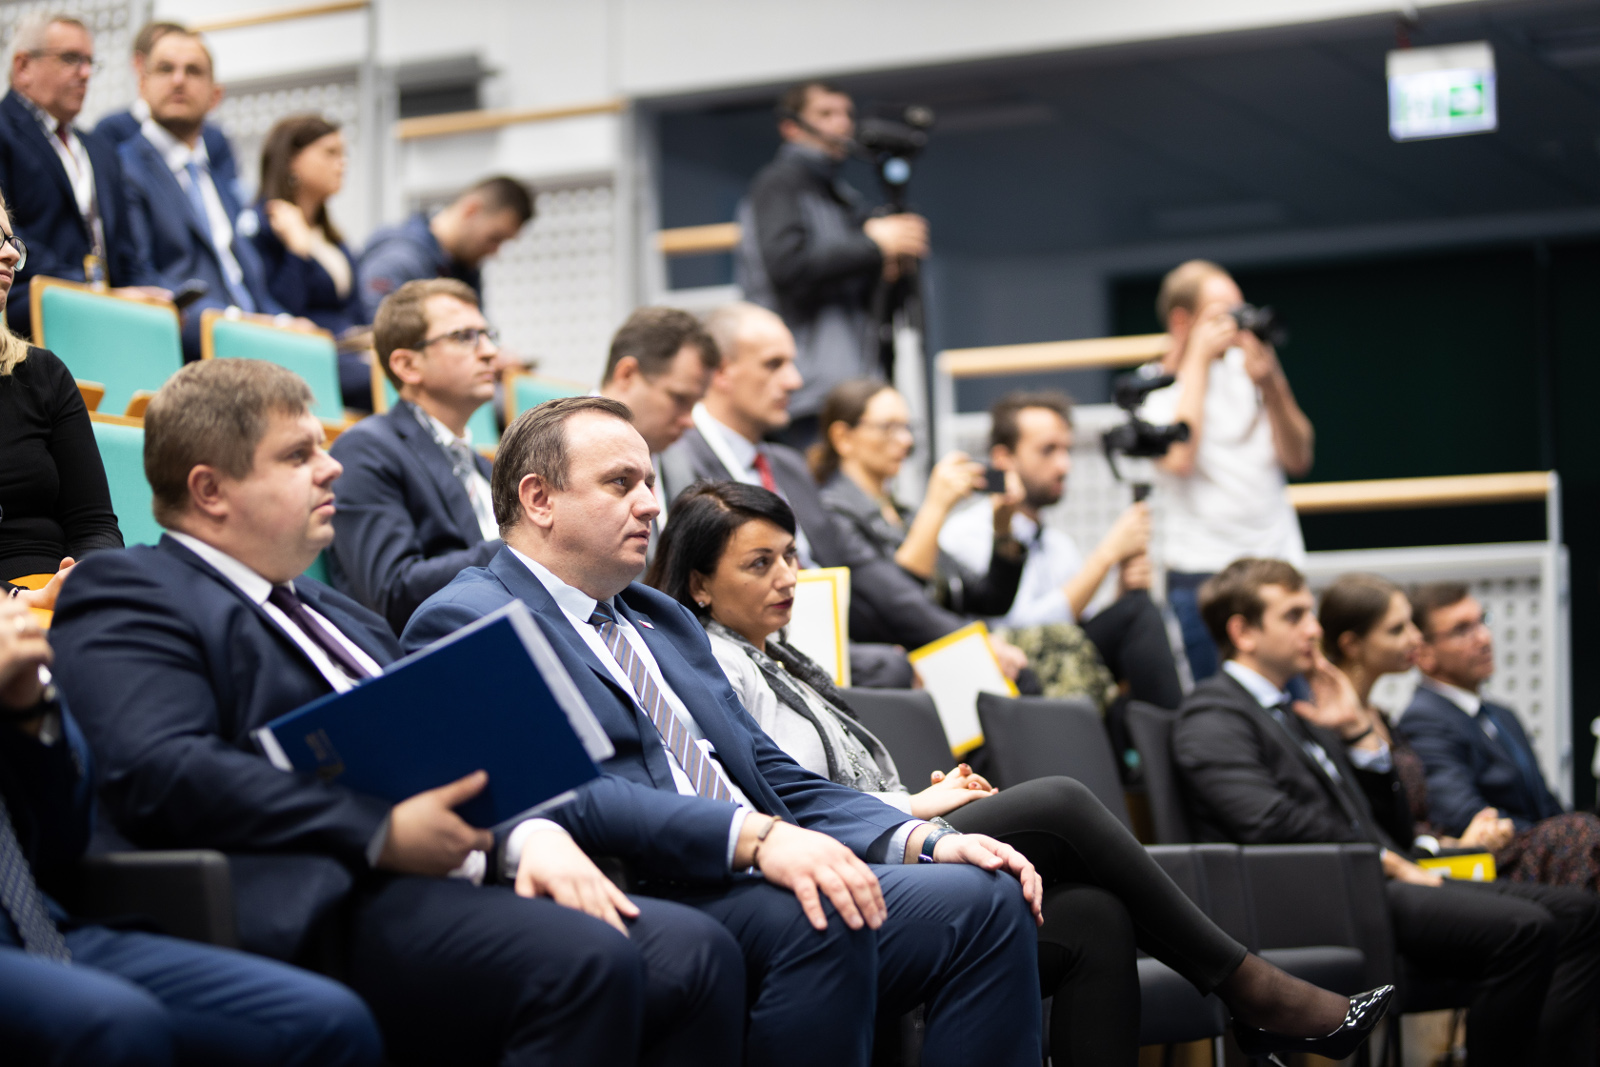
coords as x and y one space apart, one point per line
691 757
20 898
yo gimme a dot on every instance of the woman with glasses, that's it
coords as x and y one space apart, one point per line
54 503
308 266
1367 632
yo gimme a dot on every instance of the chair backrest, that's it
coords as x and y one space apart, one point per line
485 431
1036 737
121 444
907 723
312 355
123 344
1150 728
524 391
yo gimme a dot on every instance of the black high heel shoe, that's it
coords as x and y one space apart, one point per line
1363 1014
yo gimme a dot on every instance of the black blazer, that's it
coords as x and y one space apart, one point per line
1467 771
887 605
634 810
1247 780
403 525
45 214
304 286
169 667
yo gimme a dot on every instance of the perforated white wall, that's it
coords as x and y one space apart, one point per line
551 292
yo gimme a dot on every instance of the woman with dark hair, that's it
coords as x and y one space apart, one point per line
728 555
1367 632
308 266
865 432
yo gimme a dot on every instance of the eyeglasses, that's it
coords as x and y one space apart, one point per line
468 337
888 429
1462 630
15 242
74 60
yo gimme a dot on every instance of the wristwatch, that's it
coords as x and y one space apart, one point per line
925 855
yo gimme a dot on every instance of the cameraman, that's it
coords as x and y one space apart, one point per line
810 252
1224 486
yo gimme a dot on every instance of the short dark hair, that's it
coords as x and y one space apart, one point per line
402 318
501 193
1236 590
796 97
654 336
215 412
704 518
1435 596
1353 604
847 403
1003 428
1181 287
151 32
536 443
285 141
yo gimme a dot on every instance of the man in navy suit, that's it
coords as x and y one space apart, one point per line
120 126
182 214
1476 753
710 811
78 993
414 507
63 185
173 654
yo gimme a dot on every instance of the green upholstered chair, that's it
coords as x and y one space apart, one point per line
121 442
312 355
123 343
524 391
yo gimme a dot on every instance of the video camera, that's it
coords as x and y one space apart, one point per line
1136 438
1263 322
890 143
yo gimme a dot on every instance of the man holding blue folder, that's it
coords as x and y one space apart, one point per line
843 907
171 655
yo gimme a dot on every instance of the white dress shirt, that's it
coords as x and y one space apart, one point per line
578 606
74 157
738 455
178 156
1053 558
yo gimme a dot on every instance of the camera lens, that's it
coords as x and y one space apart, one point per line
896 171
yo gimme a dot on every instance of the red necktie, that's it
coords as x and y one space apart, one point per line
763 468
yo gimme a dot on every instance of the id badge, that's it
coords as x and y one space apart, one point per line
94 270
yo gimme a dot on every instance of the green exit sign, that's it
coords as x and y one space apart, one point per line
1441 92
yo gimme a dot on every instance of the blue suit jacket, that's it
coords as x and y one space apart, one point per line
634 810
177 241
48 790
45 214
1467 771
120 126
169 667
404 526
303 286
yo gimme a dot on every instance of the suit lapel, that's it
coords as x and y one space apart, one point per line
166 184
29 129
452 494
361 636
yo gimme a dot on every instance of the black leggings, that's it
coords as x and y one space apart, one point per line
1104 896
1132 638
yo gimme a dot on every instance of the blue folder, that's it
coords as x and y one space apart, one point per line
492 696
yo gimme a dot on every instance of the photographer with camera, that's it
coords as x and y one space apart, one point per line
810 251
1223 487
1031 434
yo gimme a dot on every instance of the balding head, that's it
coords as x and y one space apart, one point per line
750 391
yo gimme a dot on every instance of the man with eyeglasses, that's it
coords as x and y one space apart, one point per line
64 185
1475 752
414 504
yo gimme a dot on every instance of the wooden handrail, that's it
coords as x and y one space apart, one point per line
1089 354
286 14
1387 494
473 121
698 240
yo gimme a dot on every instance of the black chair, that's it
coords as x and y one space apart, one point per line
907 723
186 894
1150 728
1038 737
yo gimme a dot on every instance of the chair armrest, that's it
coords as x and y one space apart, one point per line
187 894
1329 894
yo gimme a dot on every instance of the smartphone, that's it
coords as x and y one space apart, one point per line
189 292
994 480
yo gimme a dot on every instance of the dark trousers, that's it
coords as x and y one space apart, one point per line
1104 896
1534 952
140 999
1183 596
957 939
461 974
1132 639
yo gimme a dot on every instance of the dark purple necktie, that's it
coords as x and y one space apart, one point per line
285 600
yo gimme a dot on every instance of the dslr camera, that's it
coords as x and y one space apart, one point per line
890 143
1137 438
1263 322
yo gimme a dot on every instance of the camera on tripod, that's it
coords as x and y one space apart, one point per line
890 143
1136 438
1263 322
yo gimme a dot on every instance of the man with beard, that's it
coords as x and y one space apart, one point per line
1031 433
